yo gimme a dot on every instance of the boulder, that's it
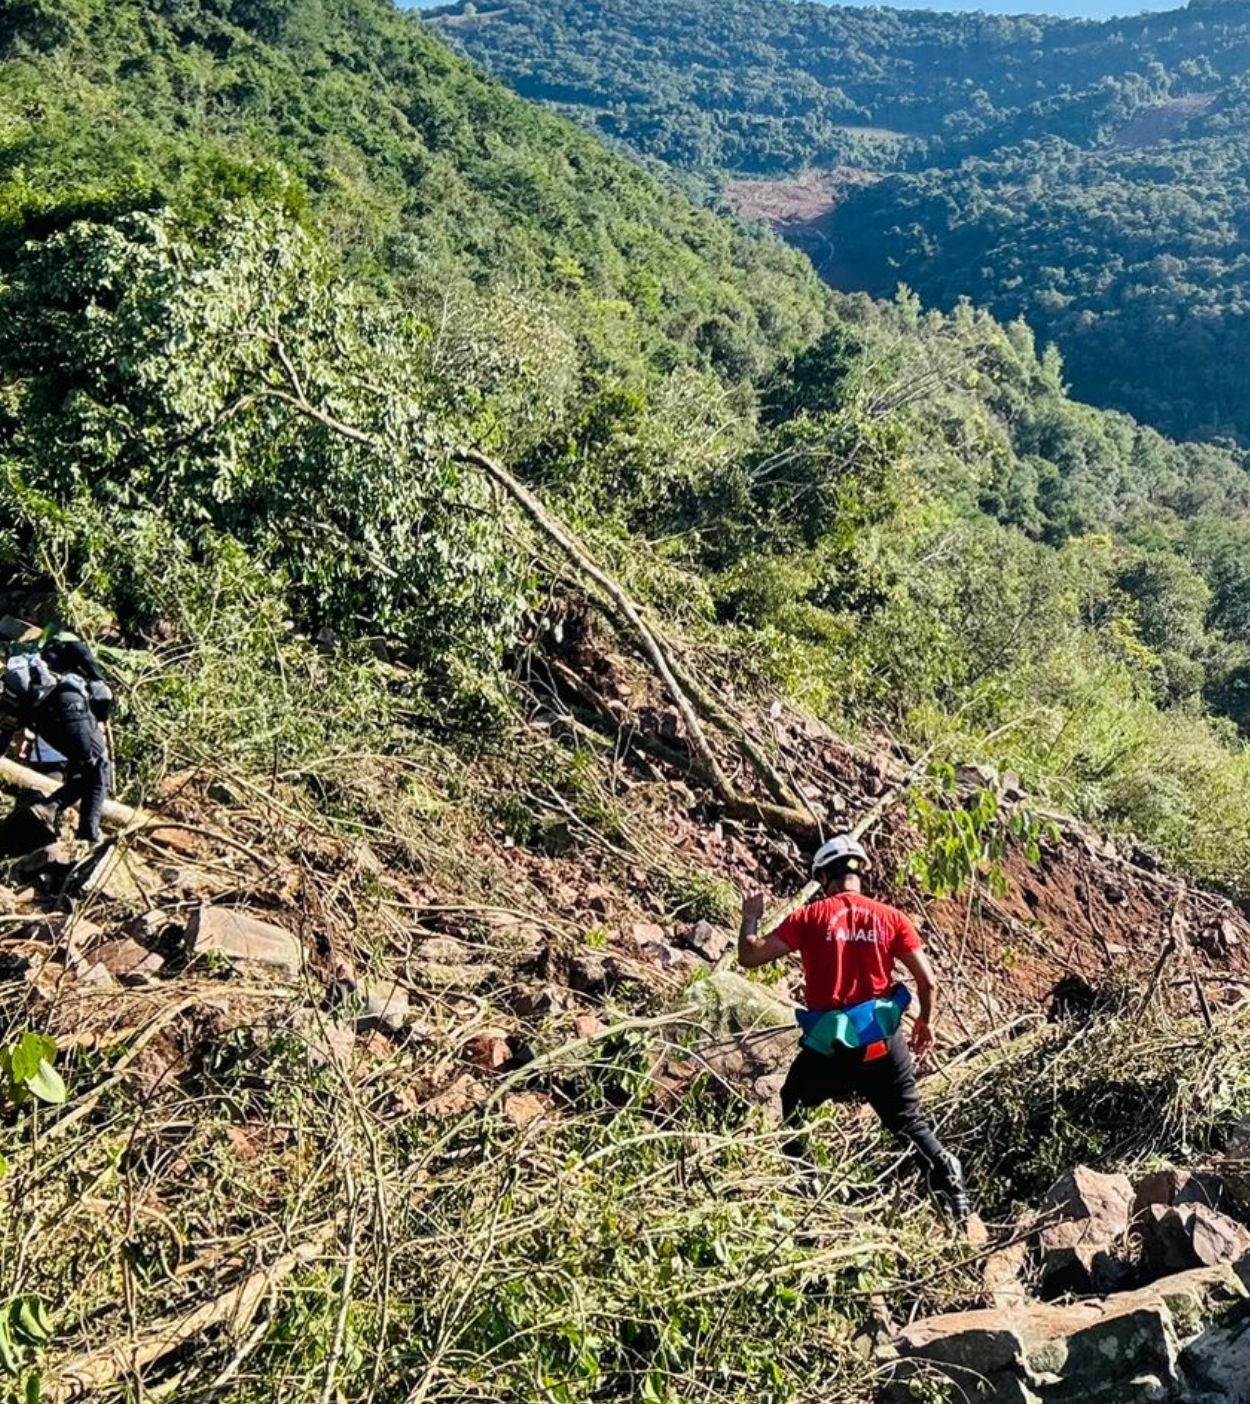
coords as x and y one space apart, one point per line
243 940
1105 1200
1080 1247
1193 1236
730 1003
709 941
1121 1349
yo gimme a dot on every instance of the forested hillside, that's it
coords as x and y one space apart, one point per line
501 560
1090 177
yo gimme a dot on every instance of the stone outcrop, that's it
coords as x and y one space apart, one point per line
1164 1342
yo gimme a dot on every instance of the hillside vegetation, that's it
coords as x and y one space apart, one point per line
1087 176
499 560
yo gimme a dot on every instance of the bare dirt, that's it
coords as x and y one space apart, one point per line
1160 122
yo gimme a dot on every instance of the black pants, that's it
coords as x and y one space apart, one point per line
87 785
888 1085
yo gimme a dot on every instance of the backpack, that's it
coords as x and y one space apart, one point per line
28 681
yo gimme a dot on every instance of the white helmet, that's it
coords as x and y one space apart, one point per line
839 849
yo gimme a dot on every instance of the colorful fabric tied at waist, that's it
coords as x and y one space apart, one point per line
869 1025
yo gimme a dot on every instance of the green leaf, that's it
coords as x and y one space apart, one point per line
4 1167
47 1084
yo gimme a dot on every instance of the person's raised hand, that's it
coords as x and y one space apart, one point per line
921 1037
752 909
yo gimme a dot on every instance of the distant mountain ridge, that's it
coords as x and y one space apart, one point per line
1090 176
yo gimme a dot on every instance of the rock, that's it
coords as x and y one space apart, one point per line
707 940
1218 1363
524 1108
1079 1252
128 961
587 1026
1157 1187
730 1003
119 876
598 899
386 1005
670 958
451 964
8 900
645 931
591 974
1003 1274
976 777
1193 1236
14 630
489 1049
1098 1352
462 1096
1106 1200
538 1000
243 940
155 930
326 1041
61 855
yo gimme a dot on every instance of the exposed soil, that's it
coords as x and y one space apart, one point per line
800 209
1154 124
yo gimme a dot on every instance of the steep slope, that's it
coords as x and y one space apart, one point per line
417 167
484 1038
481 627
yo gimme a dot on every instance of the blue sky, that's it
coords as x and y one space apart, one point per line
1081 9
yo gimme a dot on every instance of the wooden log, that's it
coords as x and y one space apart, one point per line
19 777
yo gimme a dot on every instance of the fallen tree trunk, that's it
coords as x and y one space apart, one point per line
83 1375
790 820
19 777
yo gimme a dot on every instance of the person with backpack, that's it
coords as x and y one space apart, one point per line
60 711
852 1044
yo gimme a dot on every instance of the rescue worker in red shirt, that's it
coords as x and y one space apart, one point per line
852 1044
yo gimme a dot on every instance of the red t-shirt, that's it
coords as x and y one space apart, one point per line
849 945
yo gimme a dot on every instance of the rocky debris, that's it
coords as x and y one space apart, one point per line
1191 1236
460 1097
386 1005
709 941
1081 1250
524 1108
8 900
593 974
18 631
587 1026
730 1003
447 963
126 960
1152 1343
243 940
670 958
